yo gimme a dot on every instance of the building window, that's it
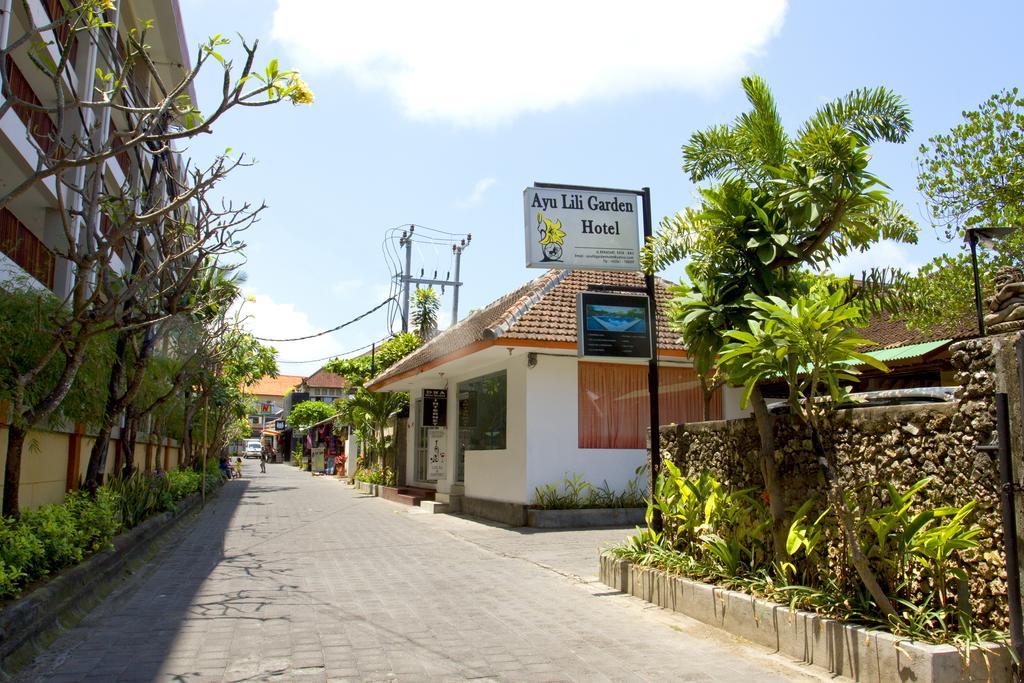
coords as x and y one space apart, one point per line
25 249
483 406
614 411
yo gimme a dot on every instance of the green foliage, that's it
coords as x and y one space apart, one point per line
575 493
29 320
297 456
140 495
52 537
376 474
309 413
370 413
357 370
423 316
183 483
721 536
972 175
811 344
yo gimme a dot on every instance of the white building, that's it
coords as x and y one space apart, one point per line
523 410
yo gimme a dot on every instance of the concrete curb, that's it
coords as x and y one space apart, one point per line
593 518
27 623
843 649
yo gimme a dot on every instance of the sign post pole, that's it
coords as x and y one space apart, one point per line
597 231
652 366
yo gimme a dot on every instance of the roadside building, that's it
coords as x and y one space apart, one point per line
501 404
325 386
32 231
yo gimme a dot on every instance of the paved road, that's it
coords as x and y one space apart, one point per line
289 577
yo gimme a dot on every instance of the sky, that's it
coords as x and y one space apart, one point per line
439 114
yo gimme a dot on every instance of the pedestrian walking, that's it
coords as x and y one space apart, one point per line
238 467
263 461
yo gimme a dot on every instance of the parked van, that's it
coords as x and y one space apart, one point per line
253 448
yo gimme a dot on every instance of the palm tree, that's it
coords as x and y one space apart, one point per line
778 210
370 414
424 312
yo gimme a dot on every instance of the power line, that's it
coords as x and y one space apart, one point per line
333 329
337 355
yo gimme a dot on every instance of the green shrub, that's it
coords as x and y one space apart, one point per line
578 494
59 535
375 475
183 483
140 496
20 552
98 519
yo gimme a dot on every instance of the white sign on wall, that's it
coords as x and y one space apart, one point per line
581 229
437 453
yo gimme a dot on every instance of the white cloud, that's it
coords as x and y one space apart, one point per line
481 63
479 189
267 318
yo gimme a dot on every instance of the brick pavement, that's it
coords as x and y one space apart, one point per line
288 577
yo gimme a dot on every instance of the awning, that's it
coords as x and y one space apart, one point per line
908 351
271 432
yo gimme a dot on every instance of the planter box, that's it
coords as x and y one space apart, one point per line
593 518
842 649
369 489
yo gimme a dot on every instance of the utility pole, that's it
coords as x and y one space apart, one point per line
457 250
407 278
406 242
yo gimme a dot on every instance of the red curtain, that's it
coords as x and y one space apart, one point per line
613 403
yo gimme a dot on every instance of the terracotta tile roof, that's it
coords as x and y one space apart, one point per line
886 332
542 310
322 379
274 386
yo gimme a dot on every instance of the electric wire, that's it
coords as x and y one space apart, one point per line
337 355
333 329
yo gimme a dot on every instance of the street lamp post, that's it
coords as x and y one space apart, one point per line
1001 446
986 236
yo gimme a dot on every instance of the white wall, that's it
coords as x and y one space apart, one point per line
731 397
552 443
501 475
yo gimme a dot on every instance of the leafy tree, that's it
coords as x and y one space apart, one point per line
136 251
370 413
357 370
309 413
811 344
973 175
778 209
425 305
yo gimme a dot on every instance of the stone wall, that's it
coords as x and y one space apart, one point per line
878 445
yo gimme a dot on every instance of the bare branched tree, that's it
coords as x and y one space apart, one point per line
136 253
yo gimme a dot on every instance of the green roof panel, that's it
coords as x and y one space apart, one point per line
908 351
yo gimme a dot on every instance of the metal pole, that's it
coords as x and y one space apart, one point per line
406 274
972 239
455 289
1009 525
652 367
206 414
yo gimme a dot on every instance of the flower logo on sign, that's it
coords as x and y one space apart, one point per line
552 237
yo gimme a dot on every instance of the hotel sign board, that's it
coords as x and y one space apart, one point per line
585 229
435 407
613 325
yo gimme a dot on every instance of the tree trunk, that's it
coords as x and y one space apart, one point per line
770 473
12 469
186 435
101 445
837 498
129 436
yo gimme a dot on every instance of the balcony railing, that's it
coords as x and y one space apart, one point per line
38 123
25 249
